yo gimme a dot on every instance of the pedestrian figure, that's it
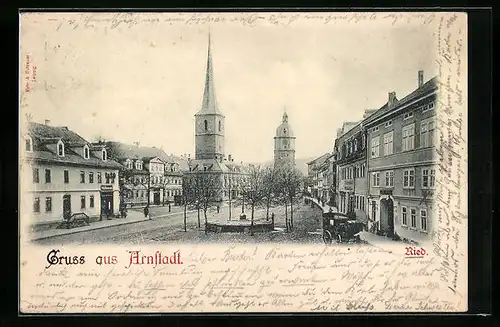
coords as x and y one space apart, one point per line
218 208
146 212
169 208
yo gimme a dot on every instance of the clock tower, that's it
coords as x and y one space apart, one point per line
284 144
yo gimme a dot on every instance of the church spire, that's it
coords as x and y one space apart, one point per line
209 105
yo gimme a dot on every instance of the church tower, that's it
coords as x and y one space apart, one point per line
209 121
284 144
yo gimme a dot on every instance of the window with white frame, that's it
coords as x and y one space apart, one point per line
389 178
104 155
408 137
428 177
376 179
427 133
408 115
60 148
363 169
404 216
413 218
86 152
428 106
375 129
28 143
409 178
423 219
388 143
388 123
375 147
36 204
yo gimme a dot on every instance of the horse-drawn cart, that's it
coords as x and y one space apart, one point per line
340 228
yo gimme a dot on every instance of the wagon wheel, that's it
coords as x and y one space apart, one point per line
327 237
339 238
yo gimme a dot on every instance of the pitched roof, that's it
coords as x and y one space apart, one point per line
123 151
217 166
209 104
43 136
320 160
423 90
51 134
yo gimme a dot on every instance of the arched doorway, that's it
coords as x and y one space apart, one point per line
387 216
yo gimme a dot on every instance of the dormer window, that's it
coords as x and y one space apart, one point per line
60 148
28 143
104 155
86 152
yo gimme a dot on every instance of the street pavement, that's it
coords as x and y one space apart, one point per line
163 226
168 227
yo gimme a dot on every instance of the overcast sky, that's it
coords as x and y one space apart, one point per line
145 83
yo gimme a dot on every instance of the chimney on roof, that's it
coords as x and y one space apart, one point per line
392 98
420 78
229 158
137 144
47 122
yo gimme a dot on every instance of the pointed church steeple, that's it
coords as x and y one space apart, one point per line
209 104
285 117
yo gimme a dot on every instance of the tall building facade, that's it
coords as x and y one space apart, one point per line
350 157
402 163
64 174
284 144
148 174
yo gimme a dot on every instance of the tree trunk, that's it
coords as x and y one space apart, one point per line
206 220
230 207
251 223
286 216
268 204
291 213
199 221
185 218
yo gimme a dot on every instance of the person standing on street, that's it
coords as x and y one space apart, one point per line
146 212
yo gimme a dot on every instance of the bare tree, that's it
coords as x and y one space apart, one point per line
190 182
253 190
209 190
206 191
188 197
290 182
269 180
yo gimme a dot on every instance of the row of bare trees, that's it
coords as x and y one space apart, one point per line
260 187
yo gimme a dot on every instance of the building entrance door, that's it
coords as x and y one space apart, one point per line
387 215
156 197
66 206
106 203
